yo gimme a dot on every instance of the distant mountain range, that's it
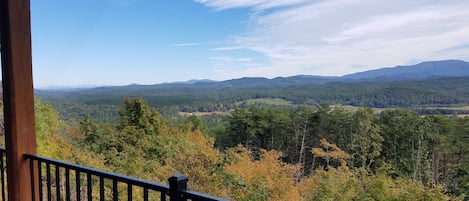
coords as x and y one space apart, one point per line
428 84
429 69
447 68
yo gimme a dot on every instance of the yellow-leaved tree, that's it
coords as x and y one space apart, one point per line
195 157
53 138
342 183
265 179
50 131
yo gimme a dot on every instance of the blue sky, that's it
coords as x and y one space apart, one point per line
120 42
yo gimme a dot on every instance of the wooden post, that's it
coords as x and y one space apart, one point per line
20 135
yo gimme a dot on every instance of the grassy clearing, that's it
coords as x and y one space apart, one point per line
449 108
199 114
282 102
351 108
266 101
378 110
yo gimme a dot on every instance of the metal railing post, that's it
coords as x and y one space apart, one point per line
177 183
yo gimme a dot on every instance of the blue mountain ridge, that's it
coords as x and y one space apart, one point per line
428 69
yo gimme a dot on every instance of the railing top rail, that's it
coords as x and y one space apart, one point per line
101 173
200 196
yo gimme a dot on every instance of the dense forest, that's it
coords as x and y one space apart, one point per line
424 95
274 153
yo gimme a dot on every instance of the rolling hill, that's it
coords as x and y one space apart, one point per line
447 68
429 84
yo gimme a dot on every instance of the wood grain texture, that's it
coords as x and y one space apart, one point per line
20 136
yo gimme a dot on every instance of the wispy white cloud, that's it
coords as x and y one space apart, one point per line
232 60
227 48
227 67
243 59
222 59
258 4
186 44
333 37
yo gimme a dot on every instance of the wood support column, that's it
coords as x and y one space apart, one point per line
18 95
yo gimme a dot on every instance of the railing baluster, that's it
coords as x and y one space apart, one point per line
49 191
163 196
101 188
90 188
39 172
2 169
77 184
115 193
31 173
57 181
129 192
67 184
145 194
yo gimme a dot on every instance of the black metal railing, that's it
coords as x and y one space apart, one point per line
59 180
2 173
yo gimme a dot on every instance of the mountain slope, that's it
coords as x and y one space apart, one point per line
446 68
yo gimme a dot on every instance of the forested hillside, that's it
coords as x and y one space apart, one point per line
272 153
421 87
101 103
446 68
293 138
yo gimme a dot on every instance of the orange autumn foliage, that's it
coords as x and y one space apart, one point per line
269 175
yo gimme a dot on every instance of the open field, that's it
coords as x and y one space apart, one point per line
450 108
282 102
355 108
379 110
266 101
199 114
